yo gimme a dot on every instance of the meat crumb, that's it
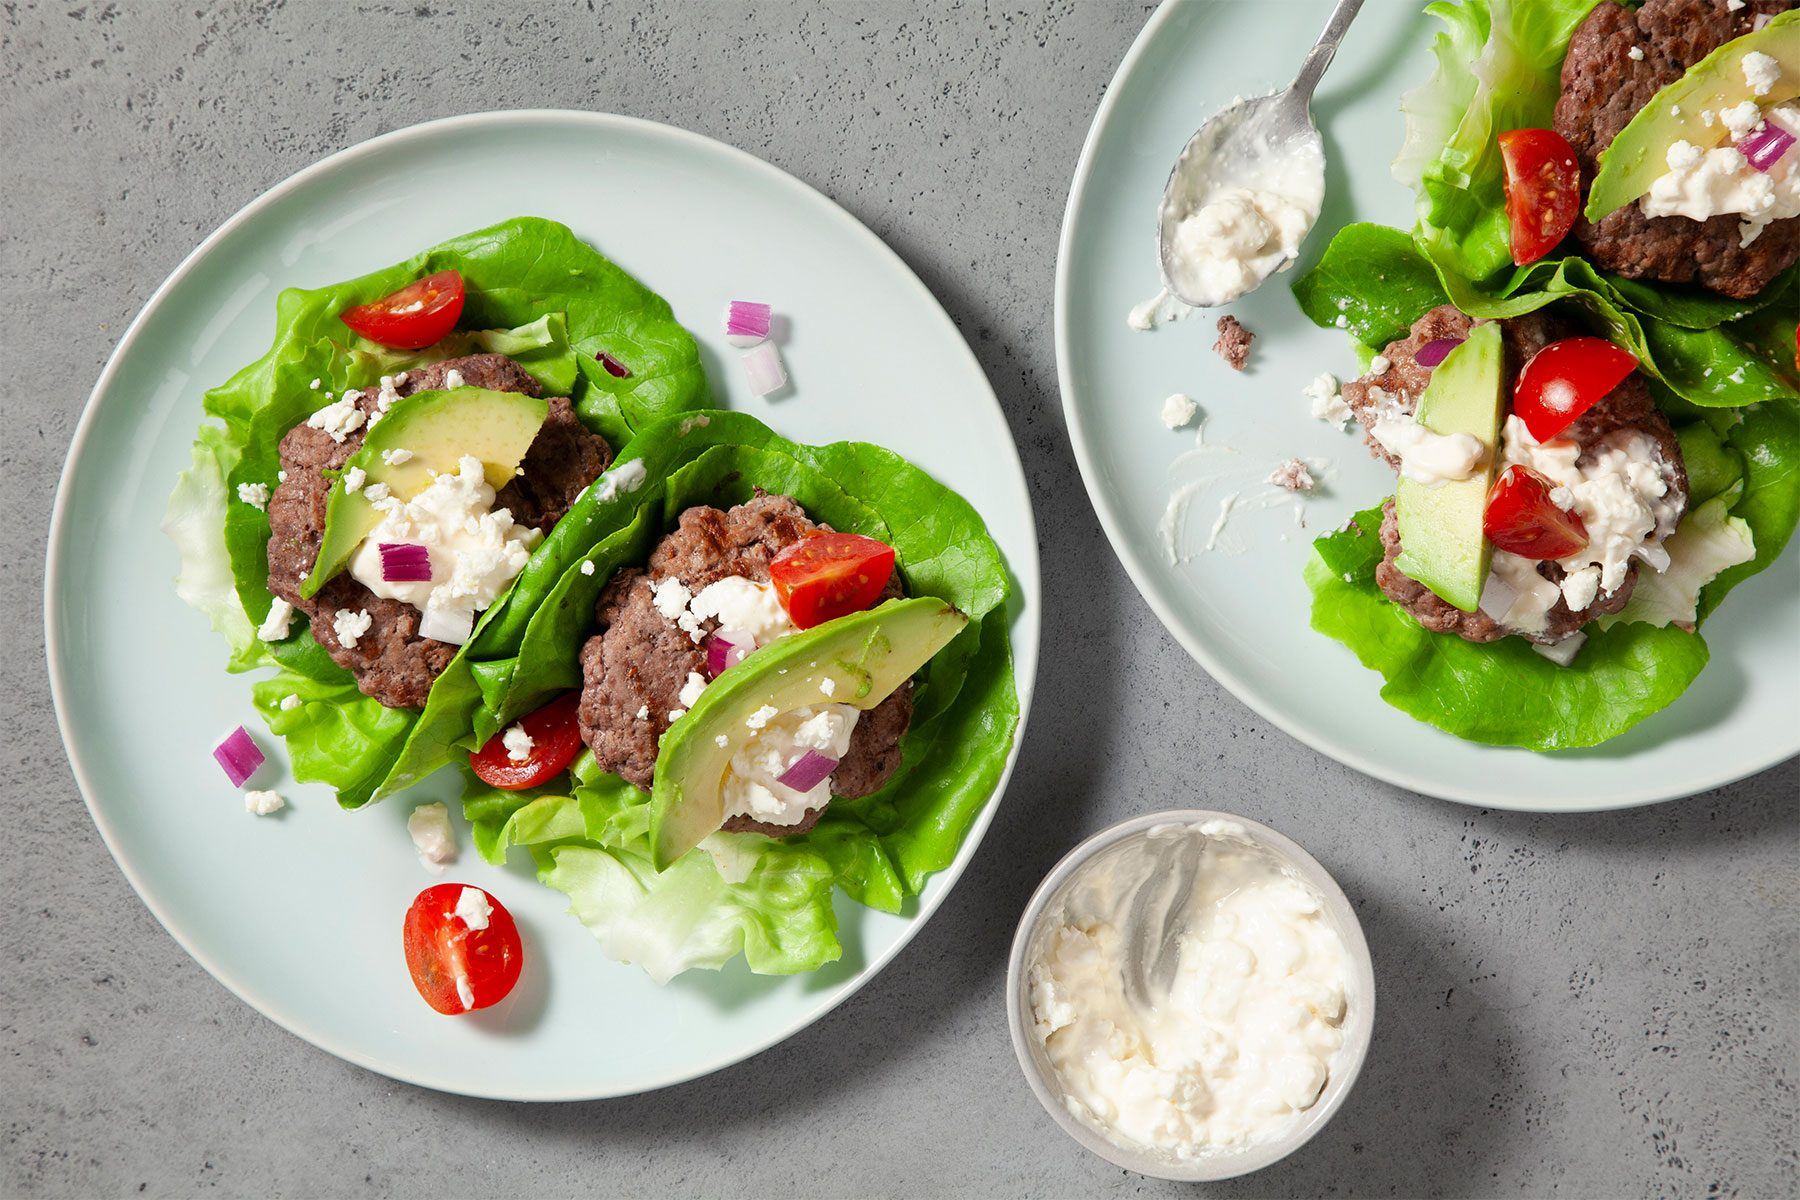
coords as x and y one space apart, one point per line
1293 476
1234 342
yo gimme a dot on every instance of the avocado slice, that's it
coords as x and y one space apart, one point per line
865 656
1638 155
1442 544
438 428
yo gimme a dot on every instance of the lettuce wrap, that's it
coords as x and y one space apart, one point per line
1722 370
535 293
769 899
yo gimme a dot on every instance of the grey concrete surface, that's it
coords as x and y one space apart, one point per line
1595 1005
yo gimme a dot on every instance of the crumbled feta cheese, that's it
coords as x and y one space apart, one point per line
473 907
1708 117
1740 119
587 567
690 691
281 477
671 597
394 458
622 479
341 418
740 604
1293 476
1734 5
290 702
1341 321
429 827
464 992
475 549
452 379
1762 72
314 385
1701 184
1379 365
1635 54
350 626
263 803
275 626
828 686
752 785
1327 402
256 495
518 743
721 741
675 714
760 717
354 478
1178 410
643 712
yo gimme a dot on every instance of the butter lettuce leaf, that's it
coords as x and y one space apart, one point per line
590 835
535 293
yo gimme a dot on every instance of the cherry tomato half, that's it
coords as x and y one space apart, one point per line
830 575
1543 190
1565 379
458 969
1522 520
555 741
416 316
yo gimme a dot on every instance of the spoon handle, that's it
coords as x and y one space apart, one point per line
1324 49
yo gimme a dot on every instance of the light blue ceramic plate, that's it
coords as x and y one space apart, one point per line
1241 610
300 914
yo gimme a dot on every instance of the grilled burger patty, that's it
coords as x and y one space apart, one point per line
1603 87
640 660
391 662
1628 407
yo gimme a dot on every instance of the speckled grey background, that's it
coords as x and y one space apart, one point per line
1586 1005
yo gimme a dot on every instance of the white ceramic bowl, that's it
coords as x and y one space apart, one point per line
1224 1164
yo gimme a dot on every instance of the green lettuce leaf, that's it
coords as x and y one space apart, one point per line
535 293
1502 693
879 849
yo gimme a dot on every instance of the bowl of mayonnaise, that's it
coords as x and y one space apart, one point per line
1190 995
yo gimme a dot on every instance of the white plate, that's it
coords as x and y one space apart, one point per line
1244 615
300 914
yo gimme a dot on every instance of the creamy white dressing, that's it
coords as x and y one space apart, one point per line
1244 204
475 549
1427 457
1703 182
1243 1039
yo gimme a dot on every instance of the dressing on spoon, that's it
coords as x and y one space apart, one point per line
1244 193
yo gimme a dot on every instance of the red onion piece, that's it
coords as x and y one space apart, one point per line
808 771
1765 147
763 366
746 318
404 562
239 755
614 367
725 649
1435 352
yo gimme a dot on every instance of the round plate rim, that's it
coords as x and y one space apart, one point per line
1024 569
1112 521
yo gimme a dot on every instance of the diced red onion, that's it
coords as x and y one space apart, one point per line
763 366
239 755
1765 147
725 649
1434 352
449 625
746 318
614 367
404 562
808 771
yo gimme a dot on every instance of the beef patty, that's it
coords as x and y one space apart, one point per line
639 661
391 661
1603 87
1627 407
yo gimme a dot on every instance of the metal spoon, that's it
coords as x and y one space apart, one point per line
1158 918
1280 124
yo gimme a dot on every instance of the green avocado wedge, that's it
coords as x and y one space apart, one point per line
1680 112
1442 543
435 429
865 656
